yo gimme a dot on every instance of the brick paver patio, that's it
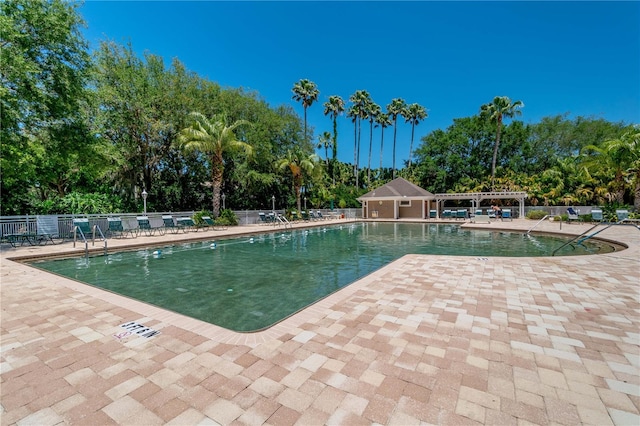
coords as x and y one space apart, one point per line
425 340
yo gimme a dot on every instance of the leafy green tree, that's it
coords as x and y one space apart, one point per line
334 107
212 138
618 158
397 107
299 163
44 73
306 92
501 107
415 114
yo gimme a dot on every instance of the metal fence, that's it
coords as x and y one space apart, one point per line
15 225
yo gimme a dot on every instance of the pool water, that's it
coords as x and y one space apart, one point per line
251 283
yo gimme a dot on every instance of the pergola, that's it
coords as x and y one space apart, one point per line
477 197
403 199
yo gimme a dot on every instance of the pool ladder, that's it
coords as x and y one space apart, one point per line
77 230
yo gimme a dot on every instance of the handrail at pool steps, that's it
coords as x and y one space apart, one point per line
79 225
538 223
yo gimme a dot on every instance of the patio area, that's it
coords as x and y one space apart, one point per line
448 340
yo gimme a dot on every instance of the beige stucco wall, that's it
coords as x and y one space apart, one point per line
413 212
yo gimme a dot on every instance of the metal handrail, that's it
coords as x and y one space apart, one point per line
93 238
539 222
581 235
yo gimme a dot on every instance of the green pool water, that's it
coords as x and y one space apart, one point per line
250 283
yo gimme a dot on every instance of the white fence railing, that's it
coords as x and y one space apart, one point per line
12 225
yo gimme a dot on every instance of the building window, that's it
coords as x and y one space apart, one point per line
405 203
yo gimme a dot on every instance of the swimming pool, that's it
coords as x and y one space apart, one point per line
251 283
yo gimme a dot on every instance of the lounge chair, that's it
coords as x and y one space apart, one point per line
144 225
433 214
478 212
506 214
186 224
461 214
447 214
596 215
264 219
319 215
170 224
210 223
572 214
117 230
622 214
305 216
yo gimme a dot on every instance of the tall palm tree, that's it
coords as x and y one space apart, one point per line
298 162
325 142
358 112
397 107
305 91
415 114
383 121
373 110
213 138
496 111
333 108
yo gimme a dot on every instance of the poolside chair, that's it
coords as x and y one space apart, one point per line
144 225
305 216
264 219
506 214
186 224
117 230
622 214
170 224
207 222
433 214
596 215
447 214
461 214
572 214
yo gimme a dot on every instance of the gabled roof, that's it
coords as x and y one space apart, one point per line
396 189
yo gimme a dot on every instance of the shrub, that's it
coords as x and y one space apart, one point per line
227 218
536 214
197 216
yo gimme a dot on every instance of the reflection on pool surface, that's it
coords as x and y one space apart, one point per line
250 283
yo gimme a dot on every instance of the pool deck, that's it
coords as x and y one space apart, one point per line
428 339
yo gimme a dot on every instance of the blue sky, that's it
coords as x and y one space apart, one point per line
579 58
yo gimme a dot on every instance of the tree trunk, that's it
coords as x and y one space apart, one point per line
217 170
395 128
495 154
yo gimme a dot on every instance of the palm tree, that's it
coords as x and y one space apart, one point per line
620 158
325 142
397 107
383 121
213 138
299 163
305 91
358 112
372 109
415 114
496 111
333 108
